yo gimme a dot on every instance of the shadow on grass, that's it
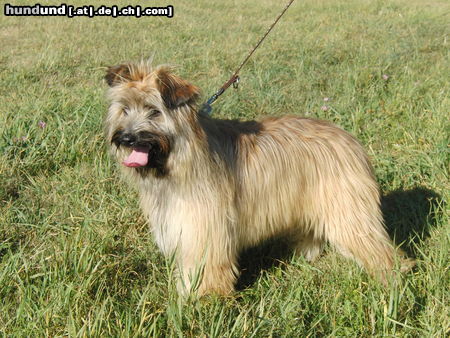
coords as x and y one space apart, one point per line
269 254
409 216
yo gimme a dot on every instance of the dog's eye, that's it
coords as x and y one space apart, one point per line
125 111
153 113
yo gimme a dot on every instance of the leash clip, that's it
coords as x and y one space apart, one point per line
236 82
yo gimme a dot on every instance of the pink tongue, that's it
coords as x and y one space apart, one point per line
137 158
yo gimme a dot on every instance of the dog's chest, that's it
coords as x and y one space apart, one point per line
164 210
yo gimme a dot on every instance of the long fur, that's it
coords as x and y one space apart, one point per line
224 185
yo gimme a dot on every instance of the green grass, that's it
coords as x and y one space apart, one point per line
76 257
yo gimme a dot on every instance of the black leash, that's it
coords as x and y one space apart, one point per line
234 79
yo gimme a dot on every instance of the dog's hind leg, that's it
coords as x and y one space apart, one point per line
354 226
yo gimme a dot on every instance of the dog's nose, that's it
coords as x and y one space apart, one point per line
128 140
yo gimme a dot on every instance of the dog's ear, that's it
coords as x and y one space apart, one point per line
117 74
174 90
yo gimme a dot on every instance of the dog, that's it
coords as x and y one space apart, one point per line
210 188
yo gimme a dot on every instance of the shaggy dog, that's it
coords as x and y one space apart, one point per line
210 188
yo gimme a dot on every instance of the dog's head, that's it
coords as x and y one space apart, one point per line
148 112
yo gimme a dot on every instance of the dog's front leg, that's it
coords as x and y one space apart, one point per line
207 256
208 274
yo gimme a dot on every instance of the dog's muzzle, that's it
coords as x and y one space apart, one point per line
148 149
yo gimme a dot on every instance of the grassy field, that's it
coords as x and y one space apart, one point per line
76 257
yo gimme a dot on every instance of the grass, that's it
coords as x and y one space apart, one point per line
76 257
